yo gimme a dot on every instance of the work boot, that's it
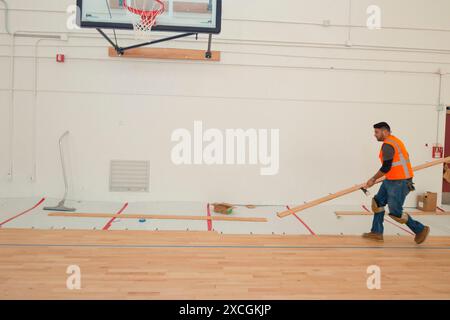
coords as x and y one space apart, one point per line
422 236
373 236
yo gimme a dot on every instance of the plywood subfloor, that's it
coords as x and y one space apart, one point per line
208 265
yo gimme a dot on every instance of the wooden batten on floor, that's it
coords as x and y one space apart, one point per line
155 216
166 53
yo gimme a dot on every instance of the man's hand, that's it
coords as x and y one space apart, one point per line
374 179
370 183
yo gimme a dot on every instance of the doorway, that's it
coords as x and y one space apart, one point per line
445 183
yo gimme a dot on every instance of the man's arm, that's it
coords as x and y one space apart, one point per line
388 159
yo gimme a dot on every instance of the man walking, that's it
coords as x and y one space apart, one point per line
396 167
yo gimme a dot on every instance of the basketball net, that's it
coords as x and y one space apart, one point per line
143 14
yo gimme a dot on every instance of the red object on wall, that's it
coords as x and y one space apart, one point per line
60 58
445 184
438 152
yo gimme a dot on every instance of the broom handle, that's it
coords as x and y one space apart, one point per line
61 154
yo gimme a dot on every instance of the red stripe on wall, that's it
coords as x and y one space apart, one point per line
24 212
108 225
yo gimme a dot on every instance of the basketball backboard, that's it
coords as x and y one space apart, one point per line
199 16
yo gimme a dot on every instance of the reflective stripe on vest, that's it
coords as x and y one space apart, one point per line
403 161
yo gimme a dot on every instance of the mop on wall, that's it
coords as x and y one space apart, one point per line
61 205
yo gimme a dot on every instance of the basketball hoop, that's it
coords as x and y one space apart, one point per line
144 14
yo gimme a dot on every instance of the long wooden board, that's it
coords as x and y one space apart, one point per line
351 190
166 53
154 216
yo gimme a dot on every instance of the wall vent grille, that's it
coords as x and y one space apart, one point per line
129 176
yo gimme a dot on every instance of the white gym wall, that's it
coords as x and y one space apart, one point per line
281 68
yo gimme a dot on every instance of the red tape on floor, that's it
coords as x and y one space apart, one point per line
208 212
108 224
24 212
304 223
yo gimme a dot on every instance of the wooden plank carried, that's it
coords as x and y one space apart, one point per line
154 216
351 190
166 53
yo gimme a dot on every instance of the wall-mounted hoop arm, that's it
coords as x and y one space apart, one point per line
208 54
121 50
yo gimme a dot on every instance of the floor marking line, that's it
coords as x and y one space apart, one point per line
217 247
298 218
109 223
394 224
208 212
24 212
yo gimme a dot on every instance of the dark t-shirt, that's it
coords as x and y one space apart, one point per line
388 157
388 152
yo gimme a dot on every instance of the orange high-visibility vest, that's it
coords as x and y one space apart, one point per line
401 166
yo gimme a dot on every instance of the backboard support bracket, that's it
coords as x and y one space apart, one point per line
120 50
208 54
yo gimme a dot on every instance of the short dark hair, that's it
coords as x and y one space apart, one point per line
382 125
